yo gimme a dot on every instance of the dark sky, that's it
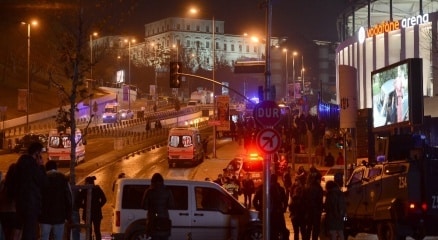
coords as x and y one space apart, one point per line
300 21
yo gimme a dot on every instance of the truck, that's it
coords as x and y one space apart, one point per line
395 193
110 115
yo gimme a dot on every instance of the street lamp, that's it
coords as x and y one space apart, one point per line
302 71
91 54
28 71
155 76
213 52
287 76
129 71
90 82
293 72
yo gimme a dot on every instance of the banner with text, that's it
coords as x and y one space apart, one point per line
223 112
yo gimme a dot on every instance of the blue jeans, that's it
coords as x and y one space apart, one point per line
58 231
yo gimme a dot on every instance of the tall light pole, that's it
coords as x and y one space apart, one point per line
129 71
287 77
90 82
213 53
91 54
28 72
155 76
302 71
293 72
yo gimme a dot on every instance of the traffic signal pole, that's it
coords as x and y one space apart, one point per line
268 96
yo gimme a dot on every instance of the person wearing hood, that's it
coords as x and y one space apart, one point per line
157 200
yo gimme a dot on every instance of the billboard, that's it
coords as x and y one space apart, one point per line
223 112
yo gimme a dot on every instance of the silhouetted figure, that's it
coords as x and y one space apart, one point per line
157 200
329 160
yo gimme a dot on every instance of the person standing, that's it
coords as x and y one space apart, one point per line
287 182
29 180
340 159
278 208
319 154
231 187
313 196
98 199
329 160
335 209
247 190
56 203
157 200
8 215
297 209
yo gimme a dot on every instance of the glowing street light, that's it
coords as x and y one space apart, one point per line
293 71
34 23
129 71
94 34
213 52
287 77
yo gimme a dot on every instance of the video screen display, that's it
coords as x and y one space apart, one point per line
394 95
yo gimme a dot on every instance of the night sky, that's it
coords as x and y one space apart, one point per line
300 21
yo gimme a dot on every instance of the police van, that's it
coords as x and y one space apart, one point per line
202 210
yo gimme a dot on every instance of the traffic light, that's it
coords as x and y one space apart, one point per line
175 78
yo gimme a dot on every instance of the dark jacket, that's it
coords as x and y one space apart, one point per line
157 200
30 178
57 199
334 207
98 199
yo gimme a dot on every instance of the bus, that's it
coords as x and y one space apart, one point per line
59 146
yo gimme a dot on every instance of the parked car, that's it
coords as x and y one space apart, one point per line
126 114
330 174
203 210
22 144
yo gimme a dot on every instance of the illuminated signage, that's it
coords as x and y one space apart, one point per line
388 26
383 27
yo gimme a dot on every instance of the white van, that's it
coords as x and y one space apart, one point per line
59 146
185 146
203 210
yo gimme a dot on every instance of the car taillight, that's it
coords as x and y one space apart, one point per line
117 218
415 206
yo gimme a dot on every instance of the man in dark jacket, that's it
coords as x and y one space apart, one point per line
335 211
56 203
313 196
30 178
157 200
98 199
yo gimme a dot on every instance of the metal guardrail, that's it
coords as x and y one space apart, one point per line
111 130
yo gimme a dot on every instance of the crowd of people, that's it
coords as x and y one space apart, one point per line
302 196
38 202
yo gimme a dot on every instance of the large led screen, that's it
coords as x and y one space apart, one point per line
397 95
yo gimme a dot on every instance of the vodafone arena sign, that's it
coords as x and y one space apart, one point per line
267 113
